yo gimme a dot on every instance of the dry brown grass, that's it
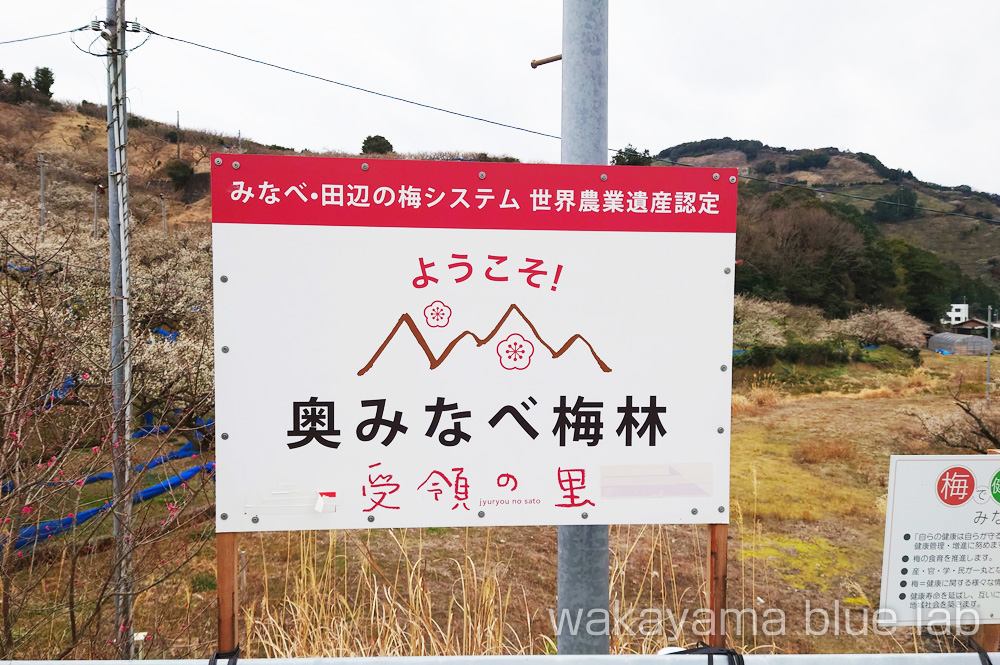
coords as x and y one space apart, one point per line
344 594
818 452
762 391
888 386
329 608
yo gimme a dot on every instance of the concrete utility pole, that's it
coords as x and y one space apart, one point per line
583 583
178 136
163 204
41 185
121 379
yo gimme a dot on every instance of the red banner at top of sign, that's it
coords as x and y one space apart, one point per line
317 191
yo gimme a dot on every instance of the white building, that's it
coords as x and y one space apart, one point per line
959 314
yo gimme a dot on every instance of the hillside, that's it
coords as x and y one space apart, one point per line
817 411
73 141
972 243
894 270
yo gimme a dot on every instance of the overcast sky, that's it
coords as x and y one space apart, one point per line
915 83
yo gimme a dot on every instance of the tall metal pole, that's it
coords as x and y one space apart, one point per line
95 210
41 185
178 136
118 237
163 204
583 582
989 351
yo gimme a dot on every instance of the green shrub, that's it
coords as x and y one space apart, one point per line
895 207
43 80
799 353
179 173
811 160
629 156
709 146
757 356
815 353
203 582
376 145
766 168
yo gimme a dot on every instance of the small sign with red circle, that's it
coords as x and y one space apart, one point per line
955 486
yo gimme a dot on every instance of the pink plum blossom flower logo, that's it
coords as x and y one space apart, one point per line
515 352
437 314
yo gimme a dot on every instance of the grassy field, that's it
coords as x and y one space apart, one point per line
810 452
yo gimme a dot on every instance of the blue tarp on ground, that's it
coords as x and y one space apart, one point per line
32 534
148 429
188 450
59 393
166 334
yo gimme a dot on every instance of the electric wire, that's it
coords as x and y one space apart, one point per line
547 135
89 46
290 70
353 87
51 34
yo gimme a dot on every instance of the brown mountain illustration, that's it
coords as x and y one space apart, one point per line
435 361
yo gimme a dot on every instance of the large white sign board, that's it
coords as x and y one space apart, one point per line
941 562
404 344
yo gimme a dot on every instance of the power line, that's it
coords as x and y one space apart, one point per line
354 87
51 34
503 124
546 135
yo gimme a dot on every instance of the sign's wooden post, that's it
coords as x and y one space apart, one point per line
718 538
229 601
988 636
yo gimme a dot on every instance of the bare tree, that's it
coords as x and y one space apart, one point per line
974 428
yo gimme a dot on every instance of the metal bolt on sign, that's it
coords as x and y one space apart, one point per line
604 177
727 270
223 279
364 167
721 430
722 509
224 436
224 516
584 515
694 511
482 513
723 368
236 165
371 518
732 179
225 349
482 175
218 161
715 176
254 519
